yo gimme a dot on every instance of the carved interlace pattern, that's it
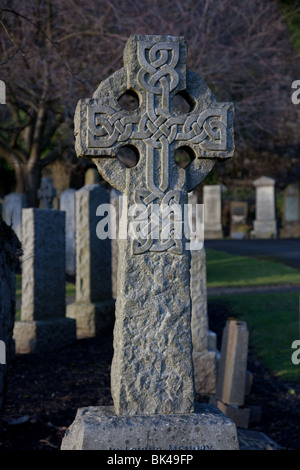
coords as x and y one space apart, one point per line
158 128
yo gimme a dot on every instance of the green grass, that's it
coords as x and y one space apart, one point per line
70 291
273 324
225 270
272 319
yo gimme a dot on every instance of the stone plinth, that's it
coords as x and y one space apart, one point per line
98 428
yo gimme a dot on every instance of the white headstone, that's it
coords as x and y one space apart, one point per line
265 220
13 205
212 211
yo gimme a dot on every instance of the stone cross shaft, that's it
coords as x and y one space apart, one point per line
152 369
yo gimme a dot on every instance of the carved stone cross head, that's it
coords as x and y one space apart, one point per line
155 72
46 193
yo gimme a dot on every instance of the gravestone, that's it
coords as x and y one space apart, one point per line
13 205
94 306
9 246
46 193
152 381
291 212
91 176
43 326
212 200
67 204
2 92
238 219
232 373
265 219
204 340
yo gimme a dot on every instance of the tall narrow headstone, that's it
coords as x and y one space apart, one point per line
93 308
67 204
212 200
265 225
152 380
91 176
291 212
46 193
13 205
43 326
232 373
204 340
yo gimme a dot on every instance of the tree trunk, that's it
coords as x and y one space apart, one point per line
33 180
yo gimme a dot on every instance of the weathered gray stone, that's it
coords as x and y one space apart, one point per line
204 348
98 428
116 201
13 205
212 211
152 368
238 219
94 306
91 176
231 384
265 225
46 193
232 373
291 212
67 204
43 282
2 92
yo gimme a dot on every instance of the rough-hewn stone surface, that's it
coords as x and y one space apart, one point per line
98 428
152 369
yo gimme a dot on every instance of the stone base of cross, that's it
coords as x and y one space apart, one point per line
152 381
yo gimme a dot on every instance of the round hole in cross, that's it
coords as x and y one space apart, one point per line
184 156
183 103
129 101
128 155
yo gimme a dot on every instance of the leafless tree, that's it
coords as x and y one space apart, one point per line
54 52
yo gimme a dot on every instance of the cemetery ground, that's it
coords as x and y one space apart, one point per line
45 390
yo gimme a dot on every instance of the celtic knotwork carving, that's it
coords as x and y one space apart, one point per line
156 224
106 126
158 65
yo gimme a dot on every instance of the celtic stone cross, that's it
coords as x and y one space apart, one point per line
152 370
